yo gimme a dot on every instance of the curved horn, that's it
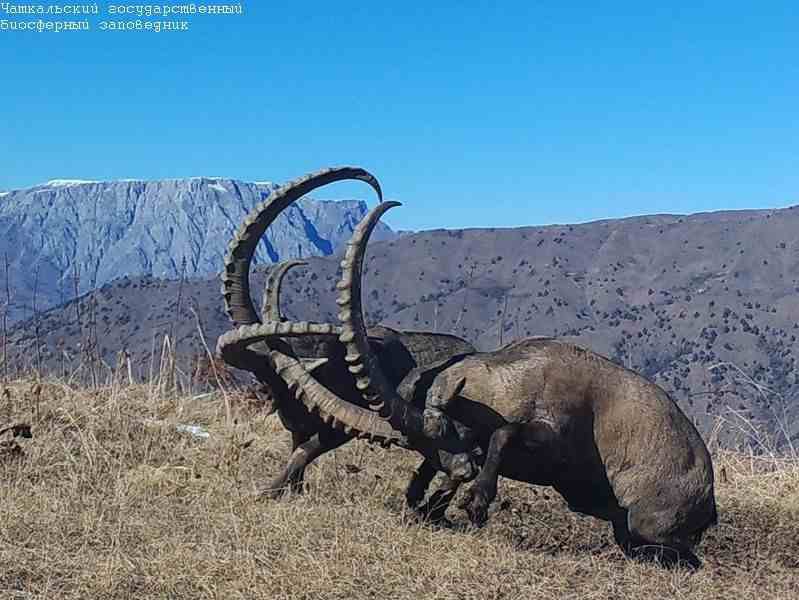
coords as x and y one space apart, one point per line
370 380
270 304
369 377
450 449
236 278
350 418
237 340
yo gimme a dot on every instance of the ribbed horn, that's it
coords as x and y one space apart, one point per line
311 364
368 376
236 276
370 380
270 304
350 418
399 422
236 341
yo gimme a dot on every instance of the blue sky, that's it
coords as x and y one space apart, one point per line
499 114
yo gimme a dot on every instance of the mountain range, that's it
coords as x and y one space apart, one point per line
706 305
66 237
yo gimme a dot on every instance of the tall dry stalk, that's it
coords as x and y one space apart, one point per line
214 370
85 350
94 344
502 318
131 381
165 366
745 426
36 320
5 318
175 317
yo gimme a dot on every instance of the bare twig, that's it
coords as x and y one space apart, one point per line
5 318
766 393
176 315
36 320
502 318
212 361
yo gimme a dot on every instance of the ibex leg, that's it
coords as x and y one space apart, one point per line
535 436
435 508
304 453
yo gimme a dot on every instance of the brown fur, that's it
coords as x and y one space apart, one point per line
610 441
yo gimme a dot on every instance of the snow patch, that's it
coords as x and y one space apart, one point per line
269 183
218 187
4 194
194 430
68 182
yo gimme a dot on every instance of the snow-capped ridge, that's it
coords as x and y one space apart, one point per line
133 228
212 178
68 182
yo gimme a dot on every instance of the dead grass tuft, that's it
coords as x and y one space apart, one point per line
111 499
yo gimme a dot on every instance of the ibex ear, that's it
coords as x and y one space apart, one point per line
416 384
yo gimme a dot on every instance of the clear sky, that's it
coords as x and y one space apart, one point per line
470 113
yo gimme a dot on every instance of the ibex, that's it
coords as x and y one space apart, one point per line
539 410
316 345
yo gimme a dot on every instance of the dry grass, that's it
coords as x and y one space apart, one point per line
110 500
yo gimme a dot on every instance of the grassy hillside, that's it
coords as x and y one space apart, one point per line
706 305
109 499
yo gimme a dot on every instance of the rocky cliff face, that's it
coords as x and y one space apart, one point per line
64 235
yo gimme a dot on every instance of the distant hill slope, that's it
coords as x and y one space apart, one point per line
706 304
94 232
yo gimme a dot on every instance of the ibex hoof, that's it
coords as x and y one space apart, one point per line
278 489
270 493
435 521
476 504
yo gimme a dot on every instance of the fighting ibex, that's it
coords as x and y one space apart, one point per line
539 410
315 346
